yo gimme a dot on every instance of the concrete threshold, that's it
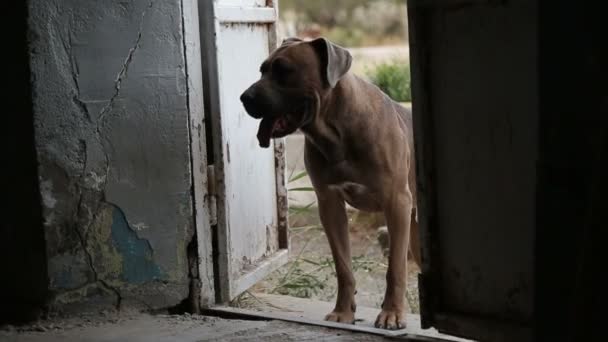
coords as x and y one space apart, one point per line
311 312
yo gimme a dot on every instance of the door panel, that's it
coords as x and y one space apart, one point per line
248 177
475 116
243 3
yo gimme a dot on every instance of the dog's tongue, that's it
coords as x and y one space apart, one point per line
265 132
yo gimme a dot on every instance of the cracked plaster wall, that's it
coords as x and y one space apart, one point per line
111 121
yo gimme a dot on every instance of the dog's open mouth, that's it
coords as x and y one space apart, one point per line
271 127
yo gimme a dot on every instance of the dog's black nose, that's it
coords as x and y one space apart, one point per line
250 102
247 97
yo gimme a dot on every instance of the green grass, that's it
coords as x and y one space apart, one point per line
393 78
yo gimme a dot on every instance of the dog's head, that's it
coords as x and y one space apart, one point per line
294 79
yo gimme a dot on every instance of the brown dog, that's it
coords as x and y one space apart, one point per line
358 149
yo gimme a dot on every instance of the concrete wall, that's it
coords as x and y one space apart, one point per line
112 139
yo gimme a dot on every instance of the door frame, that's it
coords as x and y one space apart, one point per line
202 285
433 311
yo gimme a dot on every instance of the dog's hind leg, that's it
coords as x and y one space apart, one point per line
398 218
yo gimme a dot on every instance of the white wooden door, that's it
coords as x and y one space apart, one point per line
251 230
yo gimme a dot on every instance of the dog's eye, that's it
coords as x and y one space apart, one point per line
281 66
264 67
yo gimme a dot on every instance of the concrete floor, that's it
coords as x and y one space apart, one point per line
144 327
306 310
283 318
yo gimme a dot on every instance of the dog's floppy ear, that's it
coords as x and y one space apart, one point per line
335 60
290 40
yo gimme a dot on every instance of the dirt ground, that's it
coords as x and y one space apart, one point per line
310 272
135 327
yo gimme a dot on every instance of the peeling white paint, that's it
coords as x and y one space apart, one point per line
140 226
95 181
49 219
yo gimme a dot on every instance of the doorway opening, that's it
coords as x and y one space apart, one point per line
262 267
376 34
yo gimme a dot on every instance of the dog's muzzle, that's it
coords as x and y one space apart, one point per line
248 98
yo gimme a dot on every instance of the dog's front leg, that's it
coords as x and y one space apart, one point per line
398 218
332 212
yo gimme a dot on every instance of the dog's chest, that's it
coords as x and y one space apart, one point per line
357 195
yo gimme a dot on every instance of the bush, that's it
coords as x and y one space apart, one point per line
381 18
351 23
393 78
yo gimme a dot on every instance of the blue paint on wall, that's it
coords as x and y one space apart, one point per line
137 263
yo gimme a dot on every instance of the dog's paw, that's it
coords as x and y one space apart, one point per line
390 319
341 317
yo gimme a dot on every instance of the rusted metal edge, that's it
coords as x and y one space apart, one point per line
281 190
279 155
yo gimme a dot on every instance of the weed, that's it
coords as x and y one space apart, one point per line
393 78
